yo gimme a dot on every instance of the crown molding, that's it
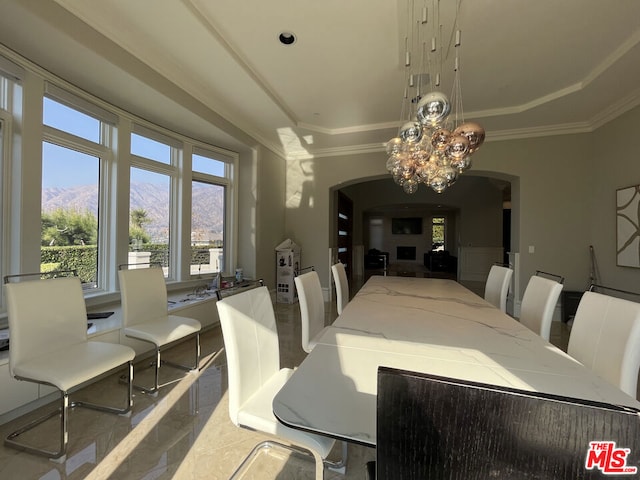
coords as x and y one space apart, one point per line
340 151
536 132
348 130
615 110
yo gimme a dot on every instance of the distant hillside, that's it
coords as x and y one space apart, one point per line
207 209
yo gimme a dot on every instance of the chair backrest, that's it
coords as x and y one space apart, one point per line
250 342
605 337
311 306
438 427
538 304
44 315
342 286
497 286
144 295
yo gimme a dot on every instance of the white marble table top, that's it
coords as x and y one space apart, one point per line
426 325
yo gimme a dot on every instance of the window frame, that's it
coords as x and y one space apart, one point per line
230 159
104 152
24 131
172 170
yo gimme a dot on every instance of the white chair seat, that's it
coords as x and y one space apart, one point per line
49 345
257 413
75 364
146 317
163 330
252 349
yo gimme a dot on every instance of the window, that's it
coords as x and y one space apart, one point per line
152 223
68 159
438 227
210 248
151 149
74 152
69 120
149 218
70 202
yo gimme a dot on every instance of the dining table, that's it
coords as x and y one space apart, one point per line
427 325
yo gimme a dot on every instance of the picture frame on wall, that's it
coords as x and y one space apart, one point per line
628 226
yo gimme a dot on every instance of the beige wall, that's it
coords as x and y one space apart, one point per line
553 181
563 201
270 214
616 164
555 184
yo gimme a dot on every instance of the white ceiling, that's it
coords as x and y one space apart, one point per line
529 68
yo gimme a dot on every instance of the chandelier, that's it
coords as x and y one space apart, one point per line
434 143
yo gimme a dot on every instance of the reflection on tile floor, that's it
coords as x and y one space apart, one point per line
183 433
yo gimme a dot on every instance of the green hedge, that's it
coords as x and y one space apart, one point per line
83 259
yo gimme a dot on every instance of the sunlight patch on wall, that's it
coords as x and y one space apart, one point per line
300 184
293 145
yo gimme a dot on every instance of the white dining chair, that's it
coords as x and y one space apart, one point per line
342 286
253 363
311 308
50 346
538 304
145 317
605 337
497 286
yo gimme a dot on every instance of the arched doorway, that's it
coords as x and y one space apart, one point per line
478 214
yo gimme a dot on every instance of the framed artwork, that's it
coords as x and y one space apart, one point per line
628 227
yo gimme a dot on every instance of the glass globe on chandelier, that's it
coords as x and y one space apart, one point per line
433 146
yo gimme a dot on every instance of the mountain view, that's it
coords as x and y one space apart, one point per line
208 210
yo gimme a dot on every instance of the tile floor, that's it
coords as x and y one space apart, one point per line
183 433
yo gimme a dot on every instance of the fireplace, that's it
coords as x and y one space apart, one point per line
406 253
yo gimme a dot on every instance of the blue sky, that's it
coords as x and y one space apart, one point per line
65 168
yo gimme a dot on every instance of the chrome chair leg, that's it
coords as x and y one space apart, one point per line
159 362
269 444
58 455
62 411
339 466
196 364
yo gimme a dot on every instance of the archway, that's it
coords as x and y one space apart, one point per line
481 211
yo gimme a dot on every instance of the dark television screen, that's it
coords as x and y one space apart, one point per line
406 226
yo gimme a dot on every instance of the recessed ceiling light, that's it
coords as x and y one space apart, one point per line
287 38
